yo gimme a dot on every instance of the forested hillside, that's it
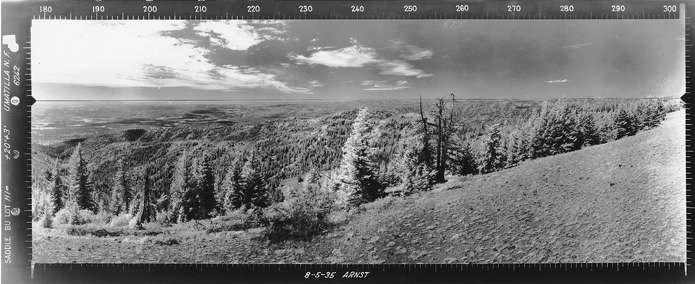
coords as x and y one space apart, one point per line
174 172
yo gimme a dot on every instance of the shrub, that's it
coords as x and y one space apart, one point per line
121 220
167 242
301 217
46 221
62 217
72 216
236 220
102 218
673 105
86 216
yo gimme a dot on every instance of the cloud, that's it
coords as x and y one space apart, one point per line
250 78
384 85
316 83
401 68
355 55
413 53
238 35
558 81
575 46
136 54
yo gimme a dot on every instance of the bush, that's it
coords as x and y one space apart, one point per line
99 231
63 216
167 241
86 217
673 105
301 217
121 220
46 221
102 218
72 216
236 220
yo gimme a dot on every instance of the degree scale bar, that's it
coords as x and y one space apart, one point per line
377 10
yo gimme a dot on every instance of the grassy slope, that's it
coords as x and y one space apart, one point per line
618 202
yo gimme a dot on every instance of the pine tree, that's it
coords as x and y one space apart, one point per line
571 137
254 190
539 139
624 124
512 148
206 188
120 195
199 199
415 174
654 112
146 213
179 186
490 151
359 180
311 178
57 190
78 188
588 129
232 187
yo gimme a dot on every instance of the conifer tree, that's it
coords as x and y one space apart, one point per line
466 160
57 190
179 186
121 194
512 148
587 128
624 124
415 174
78 188
199 199
206 188
311 178
254 190
146 212
232 186
359 180
490 151
539 138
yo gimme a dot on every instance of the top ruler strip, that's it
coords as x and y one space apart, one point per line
290 10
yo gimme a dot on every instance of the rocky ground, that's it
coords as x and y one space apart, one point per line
623 201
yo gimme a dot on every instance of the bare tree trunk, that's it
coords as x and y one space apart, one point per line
425 139
439 178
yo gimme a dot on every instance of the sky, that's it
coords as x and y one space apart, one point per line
350 60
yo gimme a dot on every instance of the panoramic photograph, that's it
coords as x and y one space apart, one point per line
375 141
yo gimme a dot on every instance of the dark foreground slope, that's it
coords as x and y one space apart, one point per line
623 201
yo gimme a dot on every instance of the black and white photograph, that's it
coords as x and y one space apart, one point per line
358 142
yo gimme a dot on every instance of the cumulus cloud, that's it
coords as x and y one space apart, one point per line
384 85
238 35
413 53
355 55
316 83
401 68
137 54
575 46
